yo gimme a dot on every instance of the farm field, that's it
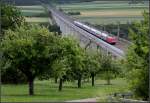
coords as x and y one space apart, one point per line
104 12
36 19
34 14
37 7
48 91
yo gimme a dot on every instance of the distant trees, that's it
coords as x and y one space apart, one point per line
55 29
74 13
113 29
137 58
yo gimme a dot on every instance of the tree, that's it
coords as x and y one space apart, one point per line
64 66
75 56
77 64
10 17
60 66
30 49
137 58
109 68
93 64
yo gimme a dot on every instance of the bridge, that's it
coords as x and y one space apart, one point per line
67 27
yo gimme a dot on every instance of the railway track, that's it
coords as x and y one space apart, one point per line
117 49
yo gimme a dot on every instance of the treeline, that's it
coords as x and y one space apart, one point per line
36 2
22 2
114 29
74 13
79 1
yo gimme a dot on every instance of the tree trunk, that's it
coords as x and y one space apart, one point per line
31 87
56 79
92 75
108 81
60 84
79 81
88 79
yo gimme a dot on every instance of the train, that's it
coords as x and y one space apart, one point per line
103 35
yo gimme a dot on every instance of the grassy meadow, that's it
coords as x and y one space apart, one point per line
106 12
47 90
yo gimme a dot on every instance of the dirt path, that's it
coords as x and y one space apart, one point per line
90 100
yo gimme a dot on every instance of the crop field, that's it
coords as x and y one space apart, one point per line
36 19
34 14
37 7
47 91
106 12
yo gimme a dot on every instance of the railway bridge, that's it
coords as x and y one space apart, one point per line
87 40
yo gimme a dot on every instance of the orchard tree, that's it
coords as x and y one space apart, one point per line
75 56
30 49
93 65
60 67
10 17
109 68
137 58
77 65
69 57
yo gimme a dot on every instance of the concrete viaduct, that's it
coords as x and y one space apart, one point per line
67 27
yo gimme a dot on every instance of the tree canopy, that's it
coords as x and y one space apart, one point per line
10 17
29 49
137 58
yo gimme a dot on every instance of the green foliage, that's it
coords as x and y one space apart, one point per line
10 17
54 28
109 68
93 62
137 58
29 49
12 76
113 29
74 13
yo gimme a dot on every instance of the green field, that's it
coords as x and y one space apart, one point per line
36 7
36 19
106 12
34 14
48 91
108 20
